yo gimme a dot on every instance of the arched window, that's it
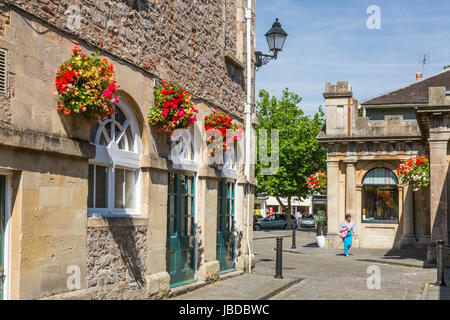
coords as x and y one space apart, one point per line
114 174
380 196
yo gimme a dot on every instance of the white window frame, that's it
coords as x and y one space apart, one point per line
7 237
190 141
113 157
230 166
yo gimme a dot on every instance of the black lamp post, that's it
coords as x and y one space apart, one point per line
275 39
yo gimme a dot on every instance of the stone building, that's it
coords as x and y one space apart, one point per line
365 146
85 218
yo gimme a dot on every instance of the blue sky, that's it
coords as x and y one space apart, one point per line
329 41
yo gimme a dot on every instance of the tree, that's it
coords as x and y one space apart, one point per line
300 154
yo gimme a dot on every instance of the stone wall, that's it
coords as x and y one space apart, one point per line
116 256
181 41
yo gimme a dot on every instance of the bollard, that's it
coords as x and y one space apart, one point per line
293 238
279 259
440 263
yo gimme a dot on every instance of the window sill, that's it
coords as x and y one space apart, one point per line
228 172
186 165
380 222
116 213
125 221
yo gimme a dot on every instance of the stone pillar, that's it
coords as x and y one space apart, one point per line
157 278
438 194
423 229
438 199
332 240
209 267
350 188
408 237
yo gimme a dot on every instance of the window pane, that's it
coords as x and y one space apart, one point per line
129 136
118 189
101 187
94 130
130 189
120 116
380 203
91 187
107 129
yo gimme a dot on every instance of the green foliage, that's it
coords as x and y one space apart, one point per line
321 218
300 153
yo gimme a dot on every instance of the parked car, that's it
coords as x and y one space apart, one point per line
307 221
276 221
256 218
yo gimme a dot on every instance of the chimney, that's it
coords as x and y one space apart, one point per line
341 112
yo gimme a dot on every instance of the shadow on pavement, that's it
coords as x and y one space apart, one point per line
419 254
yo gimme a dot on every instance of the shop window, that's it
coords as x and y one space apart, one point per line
114 174
380 196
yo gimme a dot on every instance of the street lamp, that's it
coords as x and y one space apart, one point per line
275 39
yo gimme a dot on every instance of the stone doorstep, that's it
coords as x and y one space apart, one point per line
200 284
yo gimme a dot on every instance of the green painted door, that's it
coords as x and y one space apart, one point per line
226 226
180 229
2 232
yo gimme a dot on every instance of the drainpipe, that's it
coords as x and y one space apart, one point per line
248 121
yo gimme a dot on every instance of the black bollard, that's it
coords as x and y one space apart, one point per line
440 263
279 259
293 238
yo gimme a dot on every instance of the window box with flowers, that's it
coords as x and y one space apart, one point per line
222 136
173 108
317 182
86 86
415 172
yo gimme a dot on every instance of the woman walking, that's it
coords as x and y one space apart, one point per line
347 229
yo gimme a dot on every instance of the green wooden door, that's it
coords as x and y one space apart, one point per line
180 229
226 226
2 232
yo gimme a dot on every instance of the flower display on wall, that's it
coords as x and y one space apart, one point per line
173 108
415 171
86 85
317 182
221 132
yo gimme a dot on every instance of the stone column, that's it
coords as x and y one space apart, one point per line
209 267
423 228
157 278
350 188
332 240
438 194
408 237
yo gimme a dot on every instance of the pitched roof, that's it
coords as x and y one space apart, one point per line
414 93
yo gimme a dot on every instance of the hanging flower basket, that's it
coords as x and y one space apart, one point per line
173 108
86 86
221 132
317 182
415 171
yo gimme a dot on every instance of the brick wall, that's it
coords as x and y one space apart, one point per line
181 41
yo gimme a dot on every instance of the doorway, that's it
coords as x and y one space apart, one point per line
226 226
181 230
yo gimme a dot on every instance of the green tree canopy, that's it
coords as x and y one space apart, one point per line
300 153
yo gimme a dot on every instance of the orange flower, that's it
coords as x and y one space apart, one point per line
76 49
